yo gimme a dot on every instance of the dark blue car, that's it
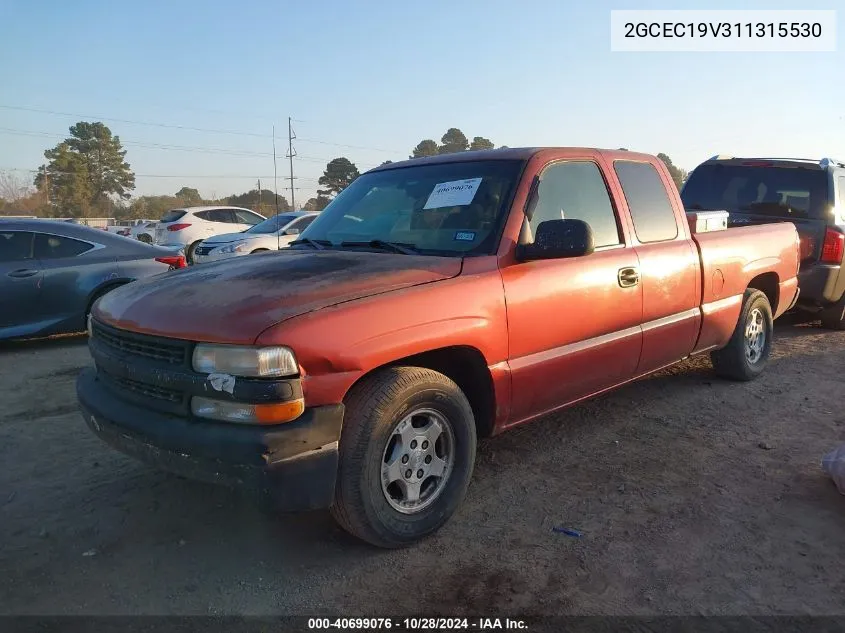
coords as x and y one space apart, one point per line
52 272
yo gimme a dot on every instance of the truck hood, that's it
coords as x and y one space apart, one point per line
234 300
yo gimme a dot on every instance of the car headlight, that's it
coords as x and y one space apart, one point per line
249 362
237 247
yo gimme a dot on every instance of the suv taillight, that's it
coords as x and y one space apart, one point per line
177 227
833 247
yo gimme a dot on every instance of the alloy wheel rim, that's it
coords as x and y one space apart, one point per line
417 461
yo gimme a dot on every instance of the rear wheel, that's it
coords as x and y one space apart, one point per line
747 353
259 250
146 239
407 452
833 318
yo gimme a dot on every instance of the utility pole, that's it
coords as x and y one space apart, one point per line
290 155
259 196
275 173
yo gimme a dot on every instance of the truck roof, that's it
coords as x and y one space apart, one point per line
763 161
513 153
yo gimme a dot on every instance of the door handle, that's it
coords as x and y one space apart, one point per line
628 277
21 273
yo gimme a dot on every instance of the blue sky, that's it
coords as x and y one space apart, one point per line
384 75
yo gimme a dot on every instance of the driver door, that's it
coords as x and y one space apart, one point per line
573 324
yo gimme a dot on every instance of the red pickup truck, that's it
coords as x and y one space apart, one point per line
434 301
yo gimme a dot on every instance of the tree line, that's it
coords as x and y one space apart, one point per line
87 175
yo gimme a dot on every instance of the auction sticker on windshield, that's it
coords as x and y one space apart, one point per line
455 193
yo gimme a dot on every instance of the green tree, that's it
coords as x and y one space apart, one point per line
86 169
316 204
623 149
678 175
425 147
189 195
263 202
479 142
387 162
453 141
339 174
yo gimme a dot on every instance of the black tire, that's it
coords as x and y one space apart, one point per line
146 239
189 252
833 318
259 250
374 408
733 361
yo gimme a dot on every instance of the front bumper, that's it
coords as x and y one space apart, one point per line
287 467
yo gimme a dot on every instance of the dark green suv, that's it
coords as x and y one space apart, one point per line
808 193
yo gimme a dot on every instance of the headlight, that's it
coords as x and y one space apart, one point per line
243 413
250 362
238 247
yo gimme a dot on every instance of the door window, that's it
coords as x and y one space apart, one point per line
575 190
56 247
15 245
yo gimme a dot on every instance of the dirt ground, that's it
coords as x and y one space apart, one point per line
693 496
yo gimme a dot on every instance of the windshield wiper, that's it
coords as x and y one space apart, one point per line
318 244
396 247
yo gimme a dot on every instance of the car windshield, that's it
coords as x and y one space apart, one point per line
451 209
271 225
786 192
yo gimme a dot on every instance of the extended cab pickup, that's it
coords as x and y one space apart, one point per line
434 301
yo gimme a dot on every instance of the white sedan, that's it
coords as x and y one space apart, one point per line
272 234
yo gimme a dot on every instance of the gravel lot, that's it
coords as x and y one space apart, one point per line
694 496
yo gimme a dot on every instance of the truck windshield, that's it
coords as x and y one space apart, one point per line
451 209
785 192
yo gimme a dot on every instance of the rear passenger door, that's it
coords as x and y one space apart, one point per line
573 327
669 266
72 270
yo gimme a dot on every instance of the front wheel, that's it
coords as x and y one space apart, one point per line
407 452
747 353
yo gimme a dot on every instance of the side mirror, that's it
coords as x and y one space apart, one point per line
292 232
558 239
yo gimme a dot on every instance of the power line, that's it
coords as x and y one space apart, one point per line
178 148
70 173
184 127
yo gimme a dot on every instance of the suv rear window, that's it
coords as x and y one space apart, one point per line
172 216
775 191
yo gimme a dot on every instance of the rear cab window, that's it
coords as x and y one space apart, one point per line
648 202
760 189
